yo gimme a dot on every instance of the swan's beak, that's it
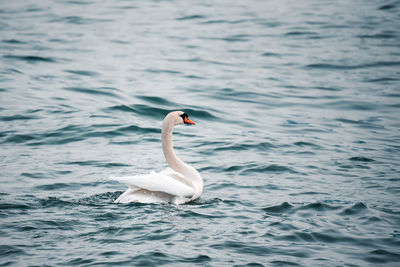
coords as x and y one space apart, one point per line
187 121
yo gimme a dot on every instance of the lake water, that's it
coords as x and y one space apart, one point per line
297 105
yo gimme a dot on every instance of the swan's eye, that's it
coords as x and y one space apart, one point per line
184 116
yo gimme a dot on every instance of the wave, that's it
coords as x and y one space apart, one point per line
78 20
83 72
317 207
101 199
157 100
105 91
355 209
75 133
18 117
361 158
13 41
10 250
191 17
31 59
278 209
262 146
379 36
250 168
274 168
158 112
389 6
354 67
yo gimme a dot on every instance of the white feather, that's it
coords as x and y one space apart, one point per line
167 181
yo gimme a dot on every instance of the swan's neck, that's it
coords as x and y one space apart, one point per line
177 164
168 149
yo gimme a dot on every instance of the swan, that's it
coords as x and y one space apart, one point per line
179 184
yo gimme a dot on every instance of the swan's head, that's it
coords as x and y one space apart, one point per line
177 117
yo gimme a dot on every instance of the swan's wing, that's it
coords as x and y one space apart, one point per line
159 182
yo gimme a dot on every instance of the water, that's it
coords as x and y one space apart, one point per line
297 136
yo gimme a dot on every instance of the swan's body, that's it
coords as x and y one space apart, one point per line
178 184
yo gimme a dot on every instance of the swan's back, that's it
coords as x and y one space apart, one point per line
167 186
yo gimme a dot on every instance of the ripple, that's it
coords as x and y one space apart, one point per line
192 17
284 263
103 198
13 41
243 248
215 21
236 38
197 259
138 129
361 123
302 144
124 130
361 158
350 105
263 146
388 6
31 59
378 36
159 113
353 67
6 250
106 91
19 138
355 209
271 168
282 208
324 237
382 80
271 54
193 214
162 71
34 175
318 207
75 133
143 110
107 216
301 33
382 256
58 186
78 261
93 200
157 100
78 20
96 164
17 206
83 72
17 117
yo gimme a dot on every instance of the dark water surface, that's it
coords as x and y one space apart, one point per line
297 136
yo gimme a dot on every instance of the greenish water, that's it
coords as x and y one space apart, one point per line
297 135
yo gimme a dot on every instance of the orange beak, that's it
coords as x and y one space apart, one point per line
186 120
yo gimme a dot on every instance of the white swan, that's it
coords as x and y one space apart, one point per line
178 184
